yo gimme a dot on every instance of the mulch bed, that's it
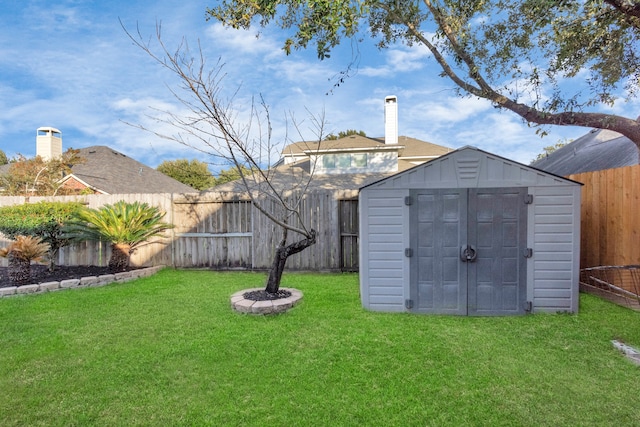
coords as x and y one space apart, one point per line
41 274
266 296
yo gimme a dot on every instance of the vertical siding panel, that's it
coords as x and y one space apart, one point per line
632 212
624 209
600 203
611 227
611 230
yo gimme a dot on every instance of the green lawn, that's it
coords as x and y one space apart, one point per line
168 350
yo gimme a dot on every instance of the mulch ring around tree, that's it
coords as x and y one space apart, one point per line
263 295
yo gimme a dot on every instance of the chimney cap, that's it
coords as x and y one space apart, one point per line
47 129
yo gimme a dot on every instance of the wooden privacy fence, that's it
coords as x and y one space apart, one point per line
217 230
610 227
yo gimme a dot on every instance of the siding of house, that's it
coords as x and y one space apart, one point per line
382 249
73 184
555 241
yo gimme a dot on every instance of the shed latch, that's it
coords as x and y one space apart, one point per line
408 252
408 200
528 253
528 199
408 303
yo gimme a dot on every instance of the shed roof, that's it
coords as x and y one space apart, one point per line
600 149
467 167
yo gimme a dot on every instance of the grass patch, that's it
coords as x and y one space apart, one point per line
168 350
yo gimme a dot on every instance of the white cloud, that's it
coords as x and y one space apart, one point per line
400 59
242 42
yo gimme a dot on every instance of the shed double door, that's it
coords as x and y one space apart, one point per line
469 248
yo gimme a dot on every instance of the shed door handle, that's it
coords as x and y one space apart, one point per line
468 253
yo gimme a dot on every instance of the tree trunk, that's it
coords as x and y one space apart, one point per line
119 260
282 253
19 270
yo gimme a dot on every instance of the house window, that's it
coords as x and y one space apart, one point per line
344 161
359 160
329 161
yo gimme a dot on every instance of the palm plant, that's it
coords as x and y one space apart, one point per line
124 225
20 253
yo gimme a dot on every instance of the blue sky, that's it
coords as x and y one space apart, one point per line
69 65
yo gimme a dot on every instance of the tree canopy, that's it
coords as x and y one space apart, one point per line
550 149
190 172
38 177
344 134
231 174
550 62
3 158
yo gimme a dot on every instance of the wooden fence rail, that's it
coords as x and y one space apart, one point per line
610 228
217 230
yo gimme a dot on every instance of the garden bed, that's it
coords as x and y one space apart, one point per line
67 277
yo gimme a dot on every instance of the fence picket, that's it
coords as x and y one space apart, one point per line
610 229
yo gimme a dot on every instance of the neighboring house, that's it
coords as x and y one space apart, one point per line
105 170
108 171
349 163
600 149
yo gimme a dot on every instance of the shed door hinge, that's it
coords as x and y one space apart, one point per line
408 303
528 199
408 252
408 200
528 253
528 306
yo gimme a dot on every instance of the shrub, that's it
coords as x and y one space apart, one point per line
20 253
44 220
124 225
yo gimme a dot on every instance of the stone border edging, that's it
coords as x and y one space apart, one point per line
84 282
241 304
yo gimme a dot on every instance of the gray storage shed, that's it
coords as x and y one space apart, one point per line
470 233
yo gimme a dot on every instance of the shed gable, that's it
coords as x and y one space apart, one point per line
469 167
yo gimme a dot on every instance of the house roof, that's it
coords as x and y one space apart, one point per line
407 147
109 171
600 149
286 177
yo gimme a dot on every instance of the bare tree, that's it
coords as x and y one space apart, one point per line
212 127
